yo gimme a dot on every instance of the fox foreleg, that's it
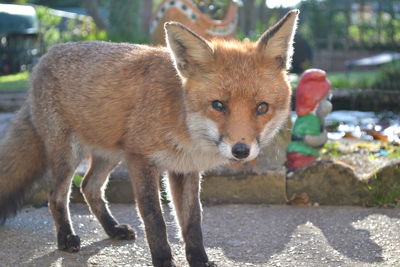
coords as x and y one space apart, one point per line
145 180
185 190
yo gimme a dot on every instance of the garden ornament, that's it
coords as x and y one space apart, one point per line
189 14
312 106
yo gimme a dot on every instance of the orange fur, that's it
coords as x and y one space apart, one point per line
154 108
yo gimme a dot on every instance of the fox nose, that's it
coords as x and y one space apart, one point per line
240 150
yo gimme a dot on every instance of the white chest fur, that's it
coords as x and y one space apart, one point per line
196 157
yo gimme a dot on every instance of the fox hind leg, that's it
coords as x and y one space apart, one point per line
93 190
62 166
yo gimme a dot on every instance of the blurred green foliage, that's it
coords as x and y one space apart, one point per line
125 22
368 24
347 24
255 34
14 82
51 26
348 80
353 79
389 76
18 2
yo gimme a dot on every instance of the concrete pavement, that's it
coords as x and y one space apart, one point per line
235 235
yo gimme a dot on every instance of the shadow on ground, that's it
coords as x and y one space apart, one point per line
235 235
262 233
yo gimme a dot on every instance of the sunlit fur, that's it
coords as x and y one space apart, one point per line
241 75
151 107
200 154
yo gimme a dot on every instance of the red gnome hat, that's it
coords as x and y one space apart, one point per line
312 88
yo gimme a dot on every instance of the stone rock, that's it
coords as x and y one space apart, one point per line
267 188
324 182
328 183
335 183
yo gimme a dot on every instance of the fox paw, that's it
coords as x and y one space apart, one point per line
165 263
203 264
69 243
122 232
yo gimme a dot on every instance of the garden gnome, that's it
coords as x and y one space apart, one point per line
312 106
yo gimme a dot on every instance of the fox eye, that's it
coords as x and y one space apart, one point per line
262 108
218 106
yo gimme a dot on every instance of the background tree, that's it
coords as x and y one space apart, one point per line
129 20
92 9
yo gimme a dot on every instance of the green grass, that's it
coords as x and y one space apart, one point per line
347 80
163 191
77 180
383 194
353 79
395 154
14 82
331 149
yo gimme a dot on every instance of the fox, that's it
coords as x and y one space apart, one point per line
183 109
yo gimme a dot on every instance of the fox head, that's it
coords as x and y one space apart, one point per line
237 94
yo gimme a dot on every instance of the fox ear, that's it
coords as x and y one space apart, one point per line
190 52
277 42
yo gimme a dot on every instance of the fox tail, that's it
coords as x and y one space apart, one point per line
22 163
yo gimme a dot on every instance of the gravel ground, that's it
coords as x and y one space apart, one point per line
362 155
235 235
